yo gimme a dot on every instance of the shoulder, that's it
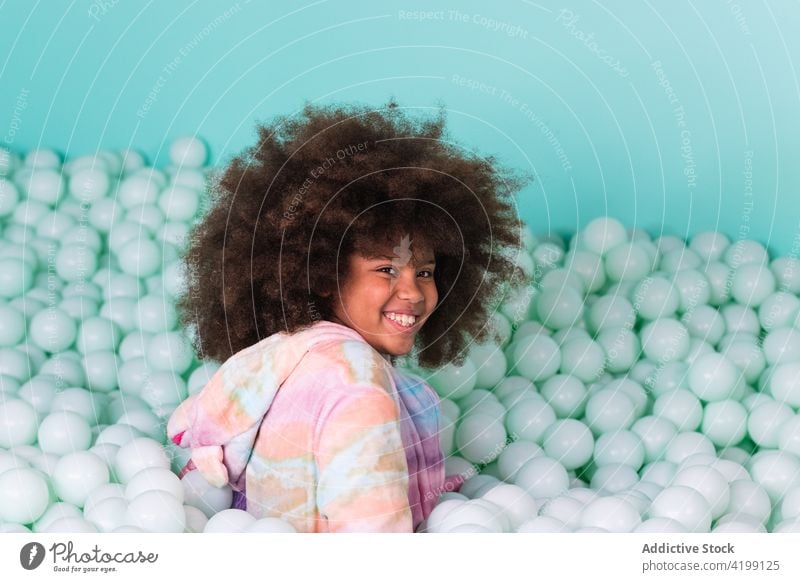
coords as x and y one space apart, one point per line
354 363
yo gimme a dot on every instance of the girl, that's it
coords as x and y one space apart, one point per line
345 239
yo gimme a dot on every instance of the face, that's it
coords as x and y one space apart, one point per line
385 287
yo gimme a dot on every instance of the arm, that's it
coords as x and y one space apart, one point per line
363 472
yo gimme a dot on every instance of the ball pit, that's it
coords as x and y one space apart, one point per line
690 421
640 385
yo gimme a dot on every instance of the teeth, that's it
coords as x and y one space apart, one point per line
406 320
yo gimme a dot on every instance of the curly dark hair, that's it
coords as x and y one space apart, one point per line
314 189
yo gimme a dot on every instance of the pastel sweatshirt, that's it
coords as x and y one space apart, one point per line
317 428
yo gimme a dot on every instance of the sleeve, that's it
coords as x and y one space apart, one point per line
362 467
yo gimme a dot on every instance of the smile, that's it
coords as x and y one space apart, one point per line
404 323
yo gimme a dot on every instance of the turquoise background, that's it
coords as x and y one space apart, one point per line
707 139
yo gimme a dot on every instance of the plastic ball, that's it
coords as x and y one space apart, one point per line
602 234
76 262
64 432
139 454
480 438
694 288
609 410
612 514
24 495
777 472
614 478
53 330
517 505
684 505
201 494
582 358
451 381
622 447
680 407
140 257
685 444
665 340
622 348
109 514
725 422
542 477
710 245
229 521
514 456
529 419
18 423
188 151
710 483
752 284
565 394
569 441
156 511
16 277
559 308
77 474
154 479
537 357
751 498
9 196
712 377
766 421
101 370
490 364
655 297
627 262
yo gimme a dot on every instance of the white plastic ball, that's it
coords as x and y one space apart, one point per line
156 511
542 477
154 479
139 454
611 513
684 505
24 495
76 474
229 521
64 432
188 152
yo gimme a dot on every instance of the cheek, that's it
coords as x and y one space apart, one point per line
431 298
373 294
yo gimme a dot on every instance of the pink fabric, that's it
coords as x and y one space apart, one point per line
319 429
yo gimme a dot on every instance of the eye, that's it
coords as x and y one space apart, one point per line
429 273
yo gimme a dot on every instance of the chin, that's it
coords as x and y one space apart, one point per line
398 351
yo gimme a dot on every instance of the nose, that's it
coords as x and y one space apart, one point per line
407 287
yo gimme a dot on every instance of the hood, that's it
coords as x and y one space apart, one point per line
220 423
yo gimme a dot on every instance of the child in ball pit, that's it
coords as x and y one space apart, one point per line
346 238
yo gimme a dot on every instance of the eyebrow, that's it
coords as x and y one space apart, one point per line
376 257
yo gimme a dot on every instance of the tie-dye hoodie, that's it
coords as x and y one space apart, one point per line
318 428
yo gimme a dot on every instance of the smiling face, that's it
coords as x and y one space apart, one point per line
382 293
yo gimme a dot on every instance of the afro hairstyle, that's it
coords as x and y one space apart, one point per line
341 179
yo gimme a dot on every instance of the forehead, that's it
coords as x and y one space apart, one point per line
418 252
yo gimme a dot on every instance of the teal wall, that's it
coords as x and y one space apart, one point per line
675 116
